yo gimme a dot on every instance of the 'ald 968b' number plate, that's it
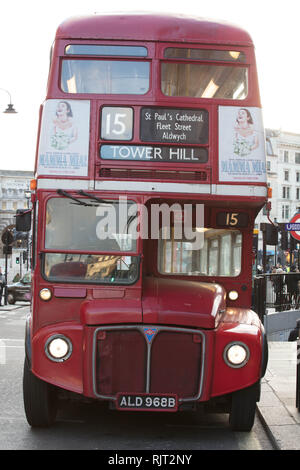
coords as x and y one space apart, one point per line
144 402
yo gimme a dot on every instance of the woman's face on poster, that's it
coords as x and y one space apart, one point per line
242 116
61 109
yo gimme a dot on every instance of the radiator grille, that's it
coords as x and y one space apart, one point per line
128 360
121 357
177 359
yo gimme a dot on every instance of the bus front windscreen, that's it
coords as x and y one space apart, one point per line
83 236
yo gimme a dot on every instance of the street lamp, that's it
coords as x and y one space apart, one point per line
10 107
27 194
9 110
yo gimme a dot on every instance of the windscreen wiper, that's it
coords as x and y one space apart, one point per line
94 198
78 201
131 218
102 201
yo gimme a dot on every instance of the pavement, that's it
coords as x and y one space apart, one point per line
277 406
8 307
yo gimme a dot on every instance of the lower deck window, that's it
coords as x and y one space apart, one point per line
219 255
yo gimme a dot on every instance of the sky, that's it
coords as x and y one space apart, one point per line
27 30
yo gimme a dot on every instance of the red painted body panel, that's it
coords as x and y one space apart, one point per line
237 325
67 375
110 311
153 27
177 302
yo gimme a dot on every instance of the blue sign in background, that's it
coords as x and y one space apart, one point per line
292 227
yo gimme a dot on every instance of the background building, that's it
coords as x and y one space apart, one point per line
14 194
283 176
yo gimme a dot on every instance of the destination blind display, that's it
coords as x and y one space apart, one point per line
154 153
183 126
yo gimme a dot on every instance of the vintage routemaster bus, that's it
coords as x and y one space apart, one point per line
150 171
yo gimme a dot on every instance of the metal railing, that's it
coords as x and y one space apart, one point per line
276 292
298 368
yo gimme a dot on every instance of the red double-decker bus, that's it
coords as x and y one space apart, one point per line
150 171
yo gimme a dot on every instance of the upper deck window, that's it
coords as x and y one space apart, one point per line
106 50
204 81
105 76
204 54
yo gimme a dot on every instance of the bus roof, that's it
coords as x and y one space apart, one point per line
153 27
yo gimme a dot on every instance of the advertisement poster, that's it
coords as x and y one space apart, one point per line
64 139
242 156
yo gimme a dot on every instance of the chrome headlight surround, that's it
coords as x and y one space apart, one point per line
236 354
58 341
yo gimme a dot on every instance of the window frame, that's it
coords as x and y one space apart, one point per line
61 55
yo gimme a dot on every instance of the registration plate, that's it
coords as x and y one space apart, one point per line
144 402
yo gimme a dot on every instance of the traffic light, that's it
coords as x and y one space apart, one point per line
255 240
17 260
24 256
293 243
270 233
284 240
7 249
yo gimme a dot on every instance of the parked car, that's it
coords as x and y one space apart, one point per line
20 290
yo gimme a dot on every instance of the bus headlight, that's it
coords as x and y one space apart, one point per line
45 294
236 354
233 295
58 348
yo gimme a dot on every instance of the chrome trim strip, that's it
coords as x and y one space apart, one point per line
141 328
152 187
53 183
148 369
239 190
64 358
230 364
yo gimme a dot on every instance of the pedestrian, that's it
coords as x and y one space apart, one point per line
2 285
278 284
292 284
17 278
